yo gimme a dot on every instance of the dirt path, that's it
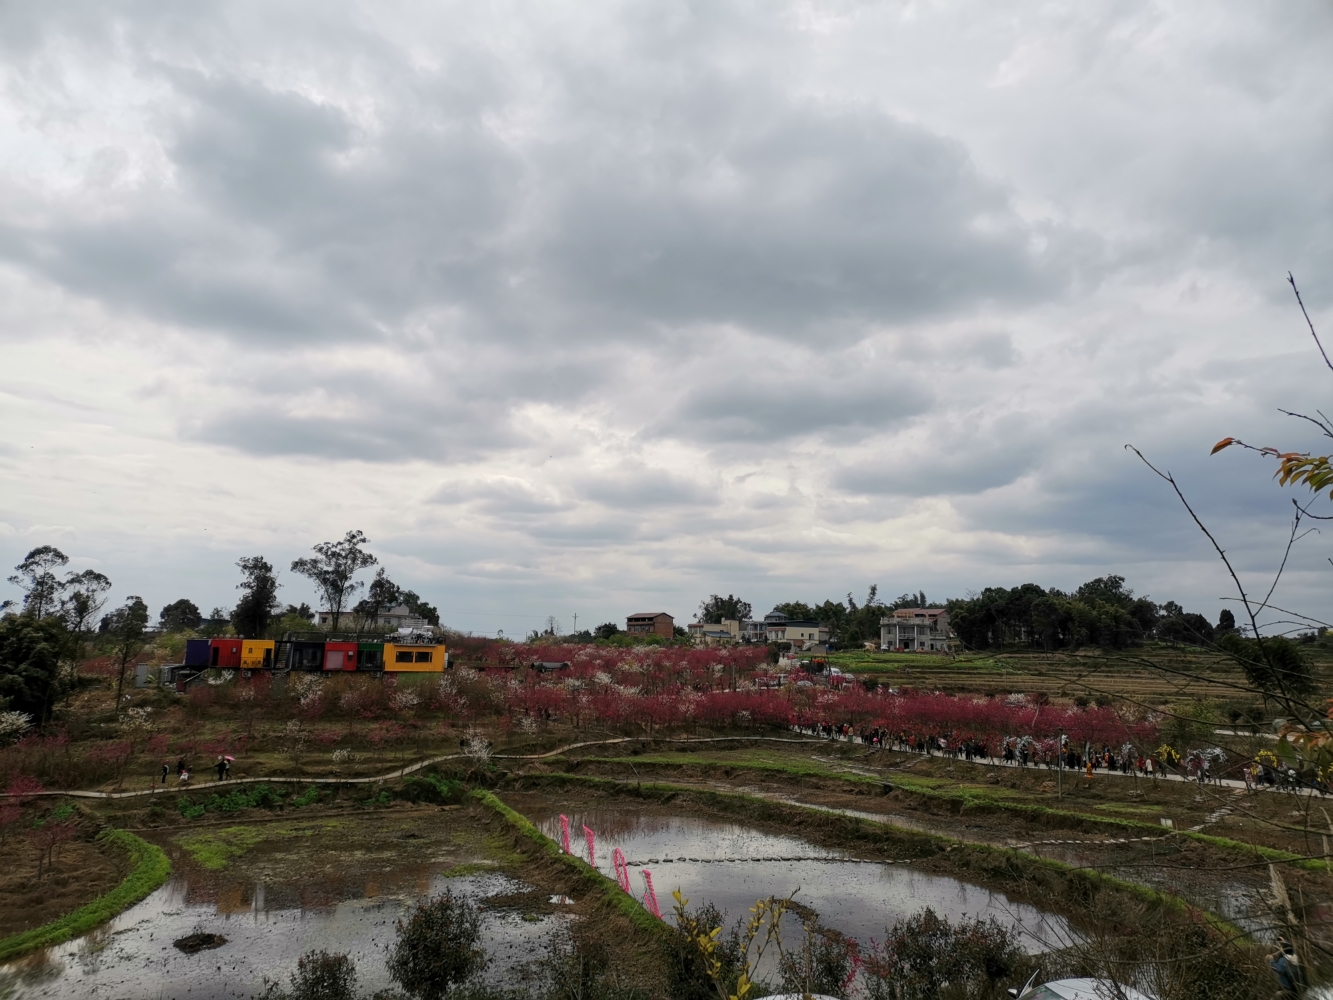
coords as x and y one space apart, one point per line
401 772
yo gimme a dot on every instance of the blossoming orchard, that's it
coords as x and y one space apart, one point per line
644 691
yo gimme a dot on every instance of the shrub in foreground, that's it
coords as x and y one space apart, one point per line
437 947
926 957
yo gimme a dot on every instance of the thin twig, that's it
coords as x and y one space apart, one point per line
1292 281
1295 526
1285 696
1321 424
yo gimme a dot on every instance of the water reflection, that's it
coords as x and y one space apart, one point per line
735 866
267 927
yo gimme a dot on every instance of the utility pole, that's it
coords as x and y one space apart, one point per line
1060 771
576 623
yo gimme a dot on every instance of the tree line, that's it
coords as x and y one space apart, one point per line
61 618
849 623
333 570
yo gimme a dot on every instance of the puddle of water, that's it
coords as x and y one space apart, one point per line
860 900
133 956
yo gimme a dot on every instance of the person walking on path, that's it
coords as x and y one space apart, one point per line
221 766
165 771
180 768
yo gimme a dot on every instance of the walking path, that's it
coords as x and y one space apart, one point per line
401 772
1235 783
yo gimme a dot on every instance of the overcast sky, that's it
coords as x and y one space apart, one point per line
599 308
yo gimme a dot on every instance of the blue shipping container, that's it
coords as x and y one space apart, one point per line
196 652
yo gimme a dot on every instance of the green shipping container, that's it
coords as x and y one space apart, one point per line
370 656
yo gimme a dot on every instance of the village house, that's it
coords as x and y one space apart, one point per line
915 629
798 633
723 633
390 618
652 623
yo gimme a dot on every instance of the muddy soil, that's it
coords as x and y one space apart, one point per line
82 871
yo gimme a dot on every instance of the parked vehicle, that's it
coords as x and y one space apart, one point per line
1078 989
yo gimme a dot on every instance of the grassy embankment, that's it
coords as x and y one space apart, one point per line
151 868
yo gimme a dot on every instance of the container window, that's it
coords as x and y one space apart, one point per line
402 656
423 656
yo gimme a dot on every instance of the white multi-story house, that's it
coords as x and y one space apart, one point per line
915 628
798 633
390 618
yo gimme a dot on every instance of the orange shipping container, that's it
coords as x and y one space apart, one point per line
414 658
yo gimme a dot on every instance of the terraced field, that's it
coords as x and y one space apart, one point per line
1152 675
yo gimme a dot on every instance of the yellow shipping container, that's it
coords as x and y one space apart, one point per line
414 658
256 654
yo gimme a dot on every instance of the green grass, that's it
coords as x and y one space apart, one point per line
151 868
865 662
217 848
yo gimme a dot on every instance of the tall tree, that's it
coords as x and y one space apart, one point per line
796 610
127 628
180 615
36 575
382 595
719 609
31 680
255 609
334 568
85 596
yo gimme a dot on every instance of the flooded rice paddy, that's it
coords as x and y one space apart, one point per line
275 889
731 865
278 890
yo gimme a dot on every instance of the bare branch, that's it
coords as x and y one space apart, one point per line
1292 281
1283 695
1249 610
1295 526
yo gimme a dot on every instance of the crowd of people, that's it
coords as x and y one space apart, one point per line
1206 766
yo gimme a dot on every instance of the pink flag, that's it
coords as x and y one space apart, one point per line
564 833
588 836
650 897
621 869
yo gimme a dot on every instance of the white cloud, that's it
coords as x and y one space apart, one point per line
586 306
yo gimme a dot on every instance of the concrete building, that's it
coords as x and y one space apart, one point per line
755 631
723 633
915 629
392 618
651 623
797 632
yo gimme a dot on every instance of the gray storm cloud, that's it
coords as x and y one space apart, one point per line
649 301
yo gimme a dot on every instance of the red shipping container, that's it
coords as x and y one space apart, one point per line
225 653
339 656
